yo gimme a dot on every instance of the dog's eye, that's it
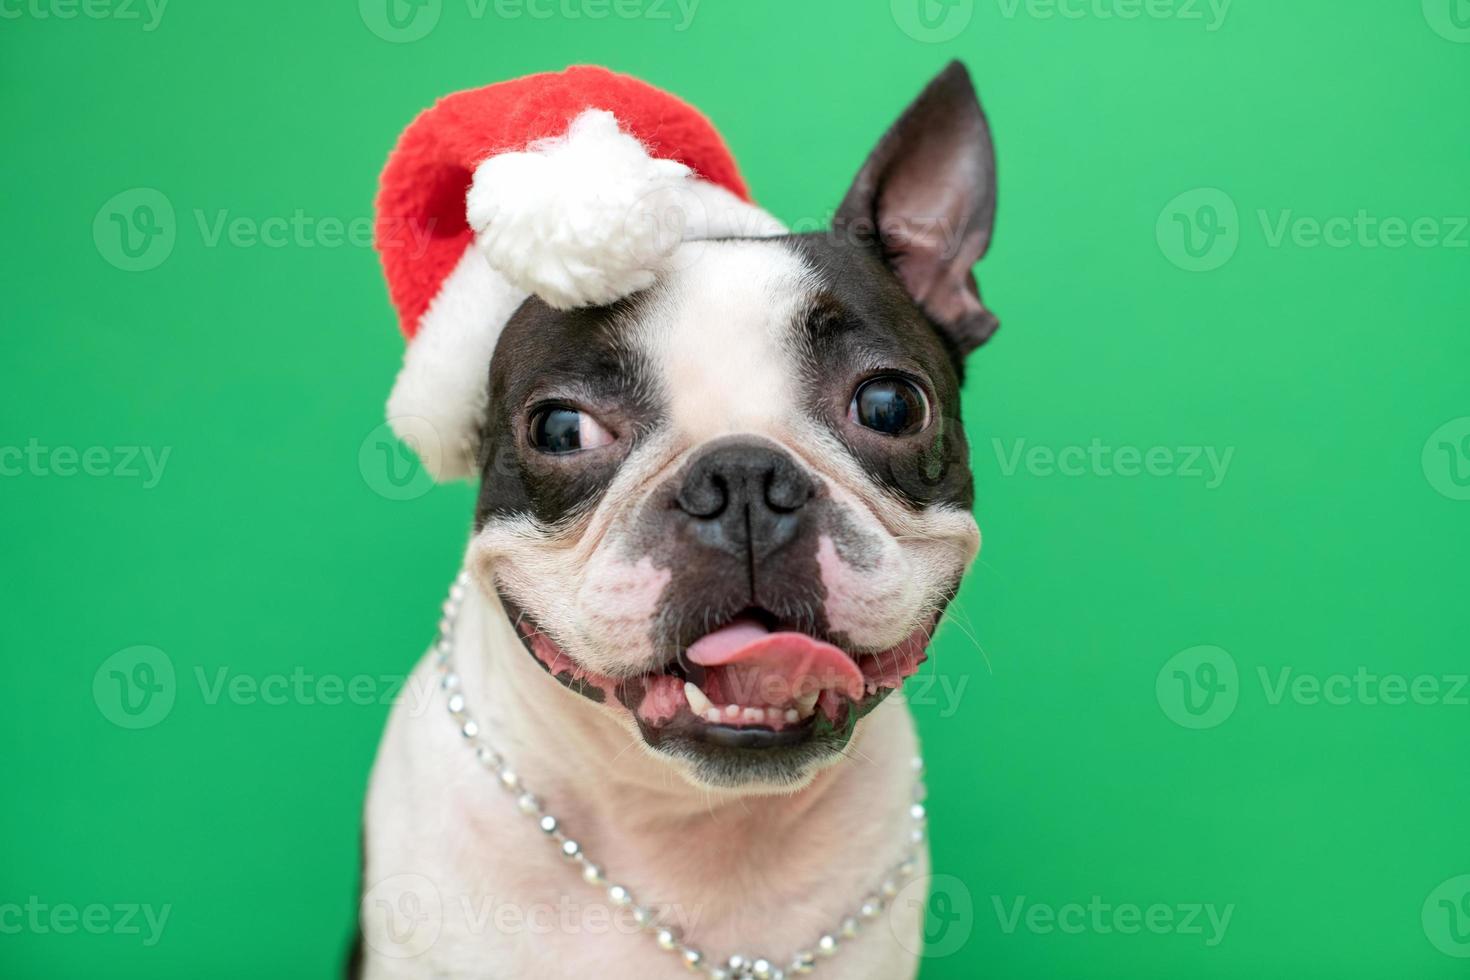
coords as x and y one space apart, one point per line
890 405
557 429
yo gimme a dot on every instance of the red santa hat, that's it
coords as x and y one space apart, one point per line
576 186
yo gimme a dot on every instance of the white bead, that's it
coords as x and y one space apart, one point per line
470 728
761 970
736 963
804 962
916 812
849 927
528 803
570 848
456 703
548 824
888 889
692 957
827 945
642 917
619 895
592 874
872 907
450 681
667 939
509 779
487 757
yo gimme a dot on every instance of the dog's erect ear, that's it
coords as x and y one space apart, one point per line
925 199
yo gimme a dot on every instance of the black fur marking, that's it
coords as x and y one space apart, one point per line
580 357
864 320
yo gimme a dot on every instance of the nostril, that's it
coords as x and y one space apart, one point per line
787 491
705 497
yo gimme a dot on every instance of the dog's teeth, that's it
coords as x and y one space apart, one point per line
754 716
713 714
807 703
732 711
698 703
792 715
773 716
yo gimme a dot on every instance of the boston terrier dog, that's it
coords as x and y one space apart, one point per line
718 521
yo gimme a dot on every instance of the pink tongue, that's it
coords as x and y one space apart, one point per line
791 662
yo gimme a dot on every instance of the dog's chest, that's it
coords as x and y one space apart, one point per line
458 883
509 908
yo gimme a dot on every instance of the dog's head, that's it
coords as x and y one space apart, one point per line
731 508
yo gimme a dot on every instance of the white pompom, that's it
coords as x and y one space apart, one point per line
585 218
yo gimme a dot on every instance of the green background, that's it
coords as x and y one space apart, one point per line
270 544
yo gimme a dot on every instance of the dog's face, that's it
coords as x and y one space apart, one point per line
731 508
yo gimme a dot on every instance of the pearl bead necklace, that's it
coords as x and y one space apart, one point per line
737 967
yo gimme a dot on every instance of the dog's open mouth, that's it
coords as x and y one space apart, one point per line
749 684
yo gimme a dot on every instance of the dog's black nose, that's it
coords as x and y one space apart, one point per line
744 497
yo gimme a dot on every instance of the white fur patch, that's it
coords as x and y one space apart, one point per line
718 332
